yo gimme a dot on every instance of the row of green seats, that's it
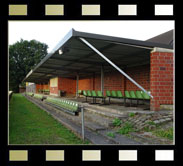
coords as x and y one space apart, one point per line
65 105
128 94
94 94
136 95
29 93
43 90
38 96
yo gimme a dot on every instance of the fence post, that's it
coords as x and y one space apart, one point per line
82 119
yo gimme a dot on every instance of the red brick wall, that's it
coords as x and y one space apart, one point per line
115 80
161 79
54 90
46 86
38 86
86 84
141 75
68 85
42 86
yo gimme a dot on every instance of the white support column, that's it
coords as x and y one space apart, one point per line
116 67
102 80
77 85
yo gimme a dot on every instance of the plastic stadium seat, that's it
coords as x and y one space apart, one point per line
119 94
145 96
108 94
65 105
113 94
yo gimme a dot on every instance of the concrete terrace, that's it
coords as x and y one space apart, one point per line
98 119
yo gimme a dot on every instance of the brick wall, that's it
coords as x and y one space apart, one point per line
68 85
116 81
86 83
46 86
38 86
161 79
54 91
42 86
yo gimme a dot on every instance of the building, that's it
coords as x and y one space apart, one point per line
88 61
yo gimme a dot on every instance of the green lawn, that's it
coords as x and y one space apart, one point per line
28 124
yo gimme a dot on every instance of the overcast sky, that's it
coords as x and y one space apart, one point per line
51 32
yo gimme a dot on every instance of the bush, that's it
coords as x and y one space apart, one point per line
116 122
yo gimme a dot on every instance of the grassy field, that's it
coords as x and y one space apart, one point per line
28 124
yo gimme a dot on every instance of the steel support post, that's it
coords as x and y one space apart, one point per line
102 80
82 122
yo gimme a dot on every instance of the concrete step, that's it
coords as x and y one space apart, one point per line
103 108
98 119
106 113
119 139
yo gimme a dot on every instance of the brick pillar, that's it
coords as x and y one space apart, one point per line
161 79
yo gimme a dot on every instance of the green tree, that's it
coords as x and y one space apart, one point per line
23 56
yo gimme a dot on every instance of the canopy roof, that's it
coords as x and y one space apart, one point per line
77 58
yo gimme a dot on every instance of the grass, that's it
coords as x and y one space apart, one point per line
28 124
116 122
128 127
168 133
111 134
131 114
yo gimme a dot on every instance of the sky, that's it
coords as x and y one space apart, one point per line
51 32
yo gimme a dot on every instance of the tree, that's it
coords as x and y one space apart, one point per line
24 56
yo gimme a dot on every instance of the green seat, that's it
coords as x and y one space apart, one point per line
65 105
145 96
113 94
100 95
108 94
139 95
127 94
93 93
79 92
132 94
85 94
38 96
119 94
89 93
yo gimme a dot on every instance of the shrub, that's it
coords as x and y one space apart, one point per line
116 122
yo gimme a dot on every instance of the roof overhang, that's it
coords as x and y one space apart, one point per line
77 58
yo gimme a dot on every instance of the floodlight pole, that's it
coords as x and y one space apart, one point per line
116 67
